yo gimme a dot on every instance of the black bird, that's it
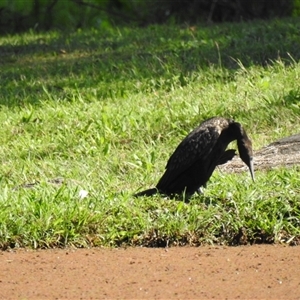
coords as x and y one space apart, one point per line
196 157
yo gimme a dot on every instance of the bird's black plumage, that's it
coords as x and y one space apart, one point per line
194 160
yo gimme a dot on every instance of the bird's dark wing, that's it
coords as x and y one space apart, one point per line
197 145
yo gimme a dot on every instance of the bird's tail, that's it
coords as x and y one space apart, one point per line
147 193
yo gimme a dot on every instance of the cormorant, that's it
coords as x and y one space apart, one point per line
196 157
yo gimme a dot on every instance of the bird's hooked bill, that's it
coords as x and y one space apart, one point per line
251 168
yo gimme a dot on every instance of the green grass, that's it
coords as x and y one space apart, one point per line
103 110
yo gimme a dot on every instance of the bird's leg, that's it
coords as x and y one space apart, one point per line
226 156
200 190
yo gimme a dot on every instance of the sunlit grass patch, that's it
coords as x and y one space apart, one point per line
103 111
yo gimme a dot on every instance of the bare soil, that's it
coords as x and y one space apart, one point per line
260 272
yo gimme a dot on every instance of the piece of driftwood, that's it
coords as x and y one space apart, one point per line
284 152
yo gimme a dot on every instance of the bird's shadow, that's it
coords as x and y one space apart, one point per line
197 199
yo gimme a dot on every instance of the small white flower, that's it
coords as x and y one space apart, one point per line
229 195
83 194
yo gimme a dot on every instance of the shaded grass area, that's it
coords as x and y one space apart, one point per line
120 62
104 110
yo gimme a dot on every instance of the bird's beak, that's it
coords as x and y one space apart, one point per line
251 168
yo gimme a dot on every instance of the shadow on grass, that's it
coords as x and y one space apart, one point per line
129 60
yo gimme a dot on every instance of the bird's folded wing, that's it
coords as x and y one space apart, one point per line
197 145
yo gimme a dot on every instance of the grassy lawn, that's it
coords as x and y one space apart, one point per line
101 111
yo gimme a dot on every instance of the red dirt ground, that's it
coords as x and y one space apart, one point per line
260 272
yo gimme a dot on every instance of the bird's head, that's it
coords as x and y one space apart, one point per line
245 149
